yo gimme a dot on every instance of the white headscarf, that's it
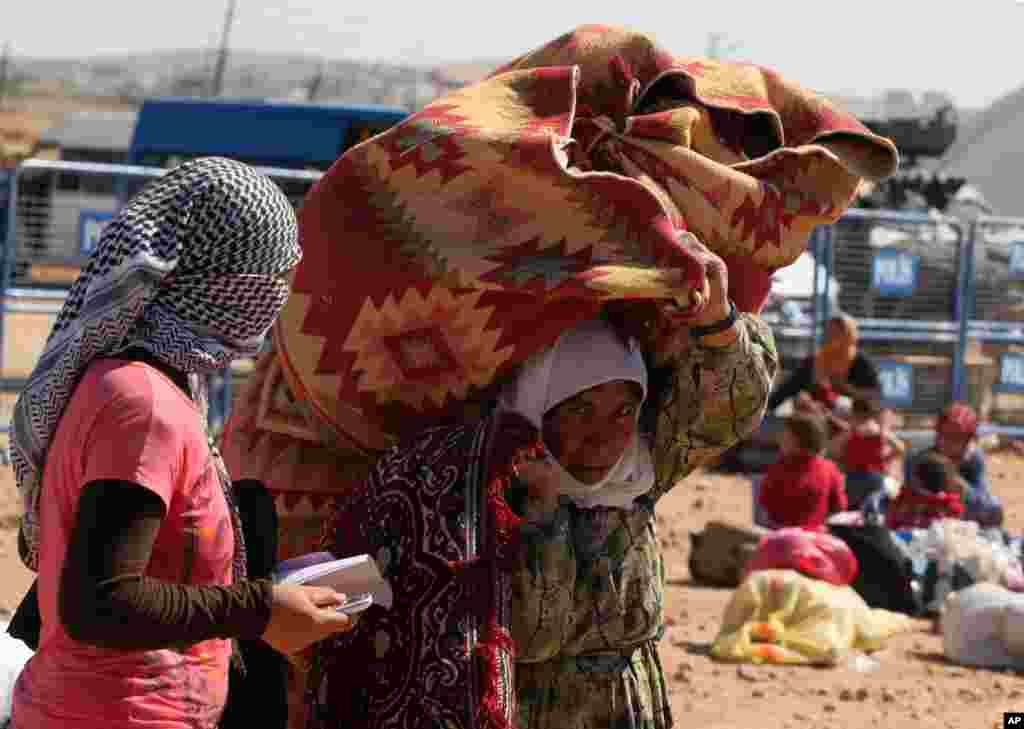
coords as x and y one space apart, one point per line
588 355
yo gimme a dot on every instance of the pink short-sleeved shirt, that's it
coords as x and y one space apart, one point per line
128 421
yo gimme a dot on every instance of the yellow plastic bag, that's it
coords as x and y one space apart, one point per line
781 616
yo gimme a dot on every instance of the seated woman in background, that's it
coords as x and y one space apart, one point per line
821 386
933 491
956 435
865 451
838 369
803 489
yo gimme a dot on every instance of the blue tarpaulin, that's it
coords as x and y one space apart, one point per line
288 135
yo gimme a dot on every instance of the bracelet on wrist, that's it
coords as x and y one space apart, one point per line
716 327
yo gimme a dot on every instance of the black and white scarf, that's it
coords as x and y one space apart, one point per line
192 270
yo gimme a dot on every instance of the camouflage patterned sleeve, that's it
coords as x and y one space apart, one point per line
717 398
543 588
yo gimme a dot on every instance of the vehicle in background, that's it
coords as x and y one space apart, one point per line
61 212
50 202
290 136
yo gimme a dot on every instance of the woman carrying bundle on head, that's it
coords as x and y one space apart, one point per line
531 310
582 443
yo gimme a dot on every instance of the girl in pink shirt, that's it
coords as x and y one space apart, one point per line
129 519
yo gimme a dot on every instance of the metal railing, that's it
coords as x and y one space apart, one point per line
901 276
995 325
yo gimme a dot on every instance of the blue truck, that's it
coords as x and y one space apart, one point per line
283 135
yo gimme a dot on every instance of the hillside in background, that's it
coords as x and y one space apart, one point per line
248 75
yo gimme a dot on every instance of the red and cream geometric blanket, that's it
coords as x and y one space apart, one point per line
445 251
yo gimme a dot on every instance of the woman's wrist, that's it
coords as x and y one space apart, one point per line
720 332
722 339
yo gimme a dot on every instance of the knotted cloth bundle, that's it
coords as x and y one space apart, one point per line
442 253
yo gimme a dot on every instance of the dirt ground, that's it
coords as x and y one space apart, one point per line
912 687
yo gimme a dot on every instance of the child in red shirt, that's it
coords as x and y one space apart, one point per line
935 491
803 489
865 451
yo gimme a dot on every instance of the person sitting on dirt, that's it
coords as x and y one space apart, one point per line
933 491
838 370
865 451
803 489
823 385
956 435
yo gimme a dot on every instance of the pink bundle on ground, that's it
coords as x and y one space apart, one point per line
815 554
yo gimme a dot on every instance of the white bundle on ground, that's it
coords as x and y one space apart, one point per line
983 625
13 656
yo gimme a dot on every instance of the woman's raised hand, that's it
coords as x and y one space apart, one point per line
673 335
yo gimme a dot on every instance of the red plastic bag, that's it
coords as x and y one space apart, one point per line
815 554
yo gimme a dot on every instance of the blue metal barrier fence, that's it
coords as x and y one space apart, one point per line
902 277
994 332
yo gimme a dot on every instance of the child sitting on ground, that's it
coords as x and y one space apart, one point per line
803 489
934 491
865 451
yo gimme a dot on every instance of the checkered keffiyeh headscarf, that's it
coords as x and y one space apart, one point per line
191 270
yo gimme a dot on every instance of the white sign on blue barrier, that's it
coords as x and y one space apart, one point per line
897 381
1017 259
90 226
1011 371
894 272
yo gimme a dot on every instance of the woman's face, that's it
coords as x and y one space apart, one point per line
835 331
589 433
951 444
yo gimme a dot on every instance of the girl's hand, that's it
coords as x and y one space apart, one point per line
302 615
541 479
672 336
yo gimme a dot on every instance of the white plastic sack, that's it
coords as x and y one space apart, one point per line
983 625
